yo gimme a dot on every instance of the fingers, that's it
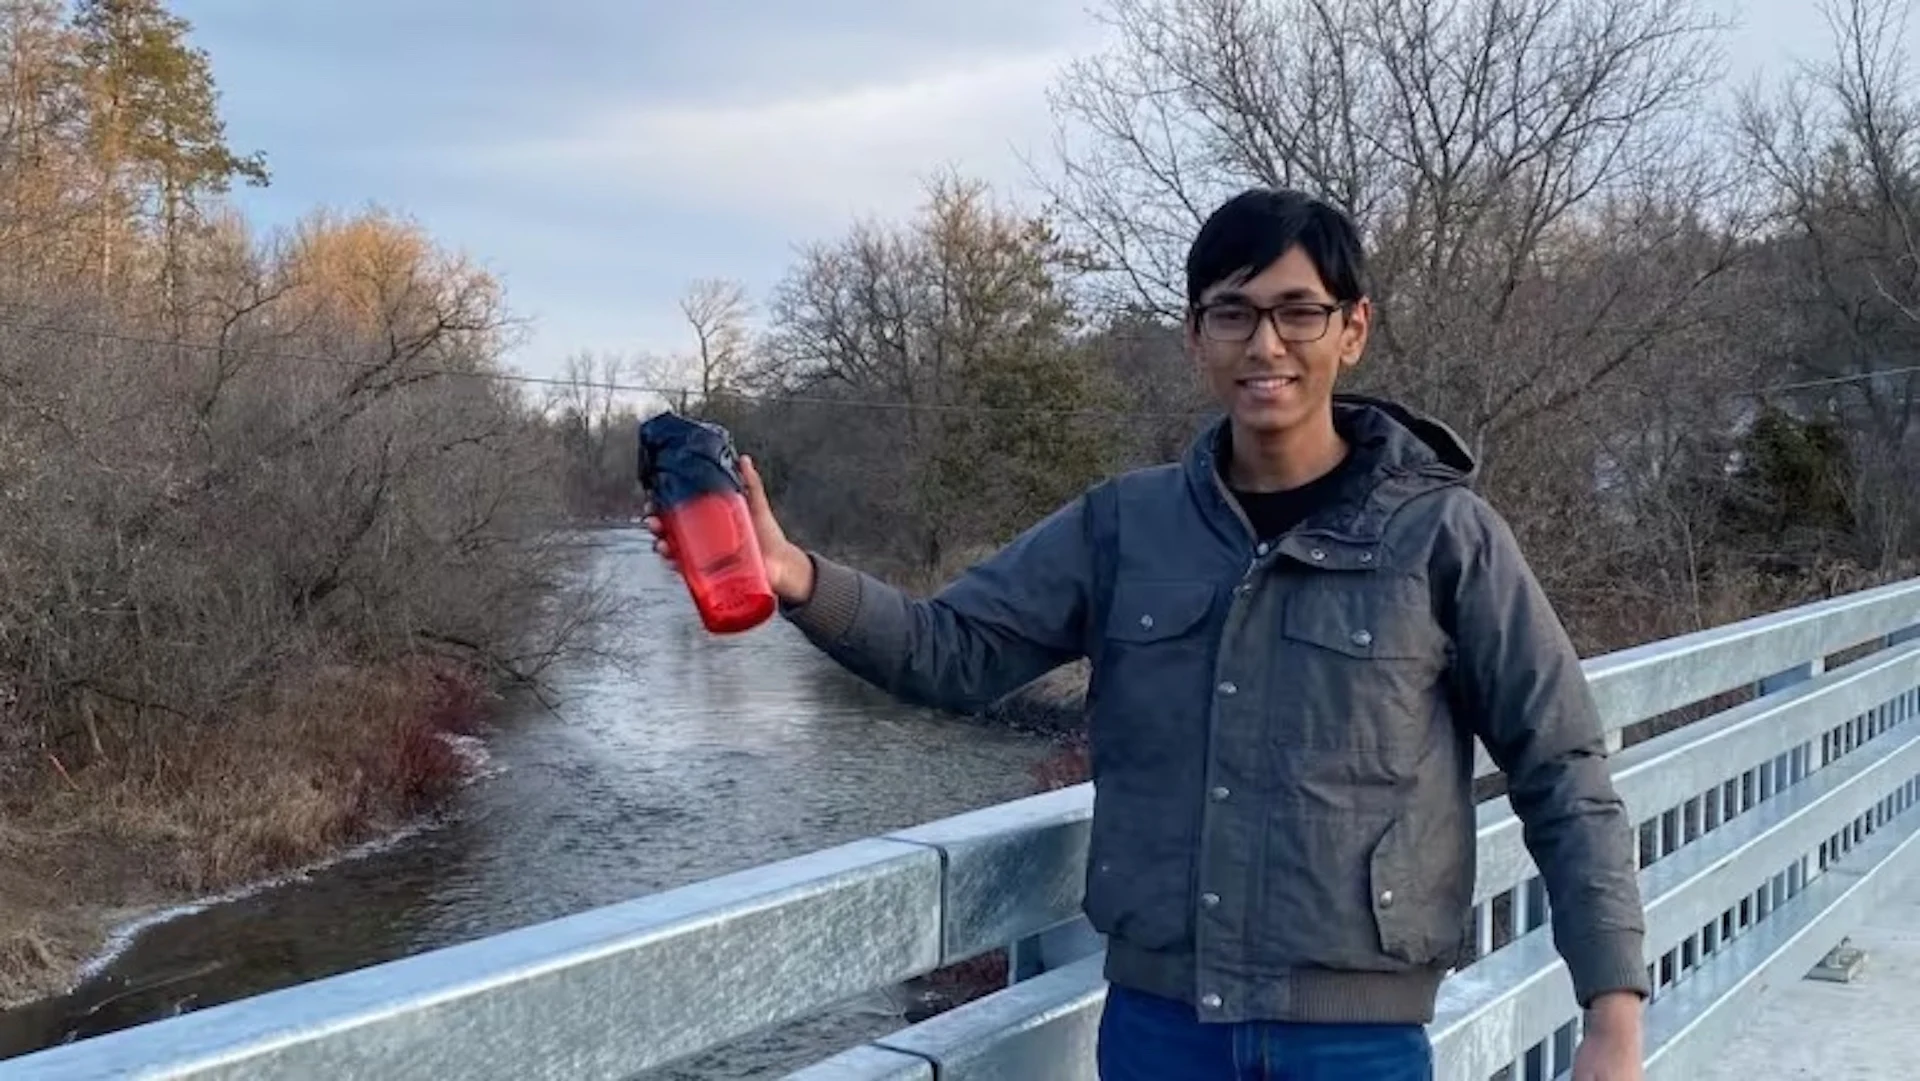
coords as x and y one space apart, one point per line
664 549
662 546
756 493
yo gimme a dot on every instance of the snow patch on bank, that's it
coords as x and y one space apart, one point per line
476 760
123 937
477 764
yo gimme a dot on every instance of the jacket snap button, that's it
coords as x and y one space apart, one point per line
1366 557
1228 688
1386 898
1220 793
1211 1002
1209 899
1318 554
1362 638
1146 623
1261 548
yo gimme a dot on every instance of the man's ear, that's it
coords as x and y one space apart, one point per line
1353 335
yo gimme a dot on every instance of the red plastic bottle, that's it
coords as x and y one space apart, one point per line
689 469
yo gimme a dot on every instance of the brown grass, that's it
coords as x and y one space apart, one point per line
339 756
1070 764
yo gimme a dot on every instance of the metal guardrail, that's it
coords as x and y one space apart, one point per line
1767 829
1777 825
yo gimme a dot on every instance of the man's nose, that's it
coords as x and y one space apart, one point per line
1266 340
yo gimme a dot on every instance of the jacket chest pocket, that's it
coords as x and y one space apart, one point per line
1358 673
1155 665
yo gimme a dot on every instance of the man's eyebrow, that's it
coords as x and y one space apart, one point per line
1289 296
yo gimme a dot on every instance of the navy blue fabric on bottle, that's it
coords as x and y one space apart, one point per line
682 458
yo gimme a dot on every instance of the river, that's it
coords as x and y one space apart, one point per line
693 757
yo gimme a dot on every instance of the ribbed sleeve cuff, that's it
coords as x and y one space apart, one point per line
829 614
1607 962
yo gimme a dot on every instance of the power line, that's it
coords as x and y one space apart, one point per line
762 398
577 384
1837 380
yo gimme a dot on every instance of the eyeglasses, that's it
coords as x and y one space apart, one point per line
1296 321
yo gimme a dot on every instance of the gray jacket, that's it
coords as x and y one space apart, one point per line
1282 734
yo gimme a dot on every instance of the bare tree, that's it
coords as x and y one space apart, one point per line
1838 145
1518 168
44 210
191 524
717 312
595 421
944 401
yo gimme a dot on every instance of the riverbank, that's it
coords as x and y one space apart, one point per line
341 757
1049 706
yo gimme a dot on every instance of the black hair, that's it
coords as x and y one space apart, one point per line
1252 230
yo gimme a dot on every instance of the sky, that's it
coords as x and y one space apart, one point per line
599 155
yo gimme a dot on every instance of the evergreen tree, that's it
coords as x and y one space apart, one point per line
154 132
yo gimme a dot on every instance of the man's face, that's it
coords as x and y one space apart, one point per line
1270 380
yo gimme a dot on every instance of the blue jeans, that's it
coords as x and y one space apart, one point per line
1146 1038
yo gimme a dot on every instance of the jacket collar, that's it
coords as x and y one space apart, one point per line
1402 453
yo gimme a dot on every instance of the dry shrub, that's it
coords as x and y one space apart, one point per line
29 957
1070 764
347 754
337 755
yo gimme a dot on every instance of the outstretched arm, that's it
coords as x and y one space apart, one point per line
1002 624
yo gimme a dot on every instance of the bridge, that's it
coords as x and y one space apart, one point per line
1773 766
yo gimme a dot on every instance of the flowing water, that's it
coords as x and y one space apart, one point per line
693 757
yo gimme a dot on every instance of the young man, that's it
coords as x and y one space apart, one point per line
1296 633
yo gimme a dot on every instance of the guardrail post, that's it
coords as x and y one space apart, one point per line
1790 768
1055 947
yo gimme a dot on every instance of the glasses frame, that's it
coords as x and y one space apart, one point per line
1266 313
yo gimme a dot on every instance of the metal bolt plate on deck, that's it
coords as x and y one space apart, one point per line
1841 964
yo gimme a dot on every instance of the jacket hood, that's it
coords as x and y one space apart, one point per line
1403 438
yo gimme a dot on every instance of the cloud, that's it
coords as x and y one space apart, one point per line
806 163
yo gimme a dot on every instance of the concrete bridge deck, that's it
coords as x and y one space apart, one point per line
1867 1029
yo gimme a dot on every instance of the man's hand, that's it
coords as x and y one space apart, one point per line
1612 1047
789 569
